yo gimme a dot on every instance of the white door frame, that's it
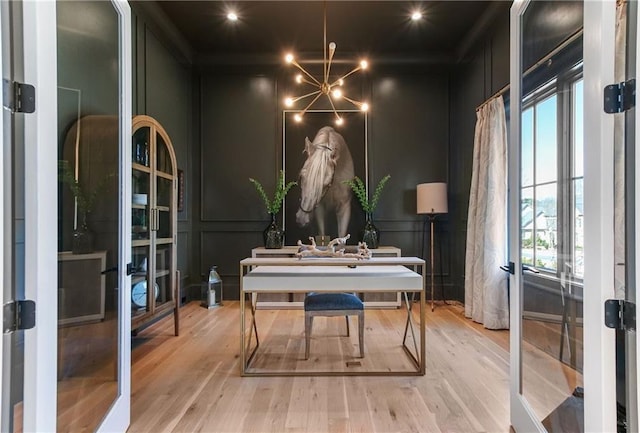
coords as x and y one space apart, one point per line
635 390
599 344
2 222
41 199
119 415
522 416
599 341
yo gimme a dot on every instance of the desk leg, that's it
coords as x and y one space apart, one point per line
246 354
423 325
409 326
242 326
253 328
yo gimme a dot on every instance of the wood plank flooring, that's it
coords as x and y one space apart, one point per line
192 383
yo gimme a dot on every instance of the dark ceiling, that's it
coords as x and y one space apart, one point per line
376 29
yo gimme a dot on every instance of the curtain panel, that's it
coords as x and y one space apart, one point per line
486 297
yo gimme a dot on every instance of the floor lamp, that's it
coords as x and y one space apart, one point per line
431 199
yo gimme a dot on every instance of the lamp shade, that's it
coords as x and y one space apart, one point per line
432 198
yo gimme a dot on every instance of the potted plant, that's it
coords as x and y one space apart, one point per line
370 234
273 234
84 200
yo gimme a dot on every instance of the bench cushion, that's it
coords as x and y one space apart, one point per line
332 301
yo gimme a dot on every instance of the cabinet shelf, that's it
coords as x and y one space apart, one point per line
140 167
162 273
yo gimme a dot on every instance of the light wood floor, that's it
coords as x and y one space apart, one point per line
192 383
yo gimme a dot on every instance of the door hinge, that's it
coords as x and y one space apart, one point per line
620 314
18 97
18 315
130 269
620 97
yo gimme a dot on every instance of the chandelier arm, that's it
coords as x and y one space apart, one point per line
310 104
326 76
299 98
354 70
297 65
354 102
334 107
304 80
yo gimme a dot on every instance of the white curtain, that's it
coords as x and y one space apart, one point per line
486 298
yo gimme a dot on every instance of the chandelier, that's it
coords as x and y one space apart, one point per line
331 89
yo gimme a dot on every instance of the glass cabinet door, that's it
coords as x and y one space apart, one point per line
140 220
164 229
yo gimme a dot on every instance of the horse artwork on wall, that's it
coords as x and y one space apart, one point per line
323 156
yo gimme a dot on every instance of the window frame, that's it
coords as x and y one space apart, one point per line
561 85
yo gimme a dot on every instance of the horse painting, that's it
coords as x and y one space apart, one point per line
328 165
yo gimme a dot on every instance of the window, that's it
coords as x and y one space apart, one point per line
552 176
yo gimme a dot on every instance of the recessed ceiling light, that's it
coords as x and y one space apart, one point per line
232 16
416 15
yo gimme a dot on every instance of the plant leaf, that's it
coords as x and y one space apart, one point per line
273 206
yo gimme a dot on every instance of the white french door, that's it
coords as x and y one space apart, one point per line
31 359
564 208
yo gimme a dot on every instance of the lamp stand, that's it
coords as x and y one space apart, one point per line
432 217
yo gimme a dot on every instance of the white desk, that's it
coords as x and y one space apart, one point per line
291 275
290 300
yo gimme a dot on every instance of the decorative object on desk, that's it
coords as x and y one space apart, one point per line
323 156
337 248
322 240
212 296
273 234
370 233
84 202
431 199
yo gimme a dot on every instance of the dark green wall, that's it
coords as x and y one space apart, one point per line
241 128
163 89
486 73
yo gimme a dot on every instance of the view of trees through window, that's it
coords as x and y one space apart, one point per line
552 177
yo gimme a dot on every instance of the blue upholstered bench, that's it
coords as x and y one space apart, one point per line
333 304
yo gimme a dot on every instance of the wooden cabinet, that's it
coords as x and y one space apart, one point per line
153 223
279 300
